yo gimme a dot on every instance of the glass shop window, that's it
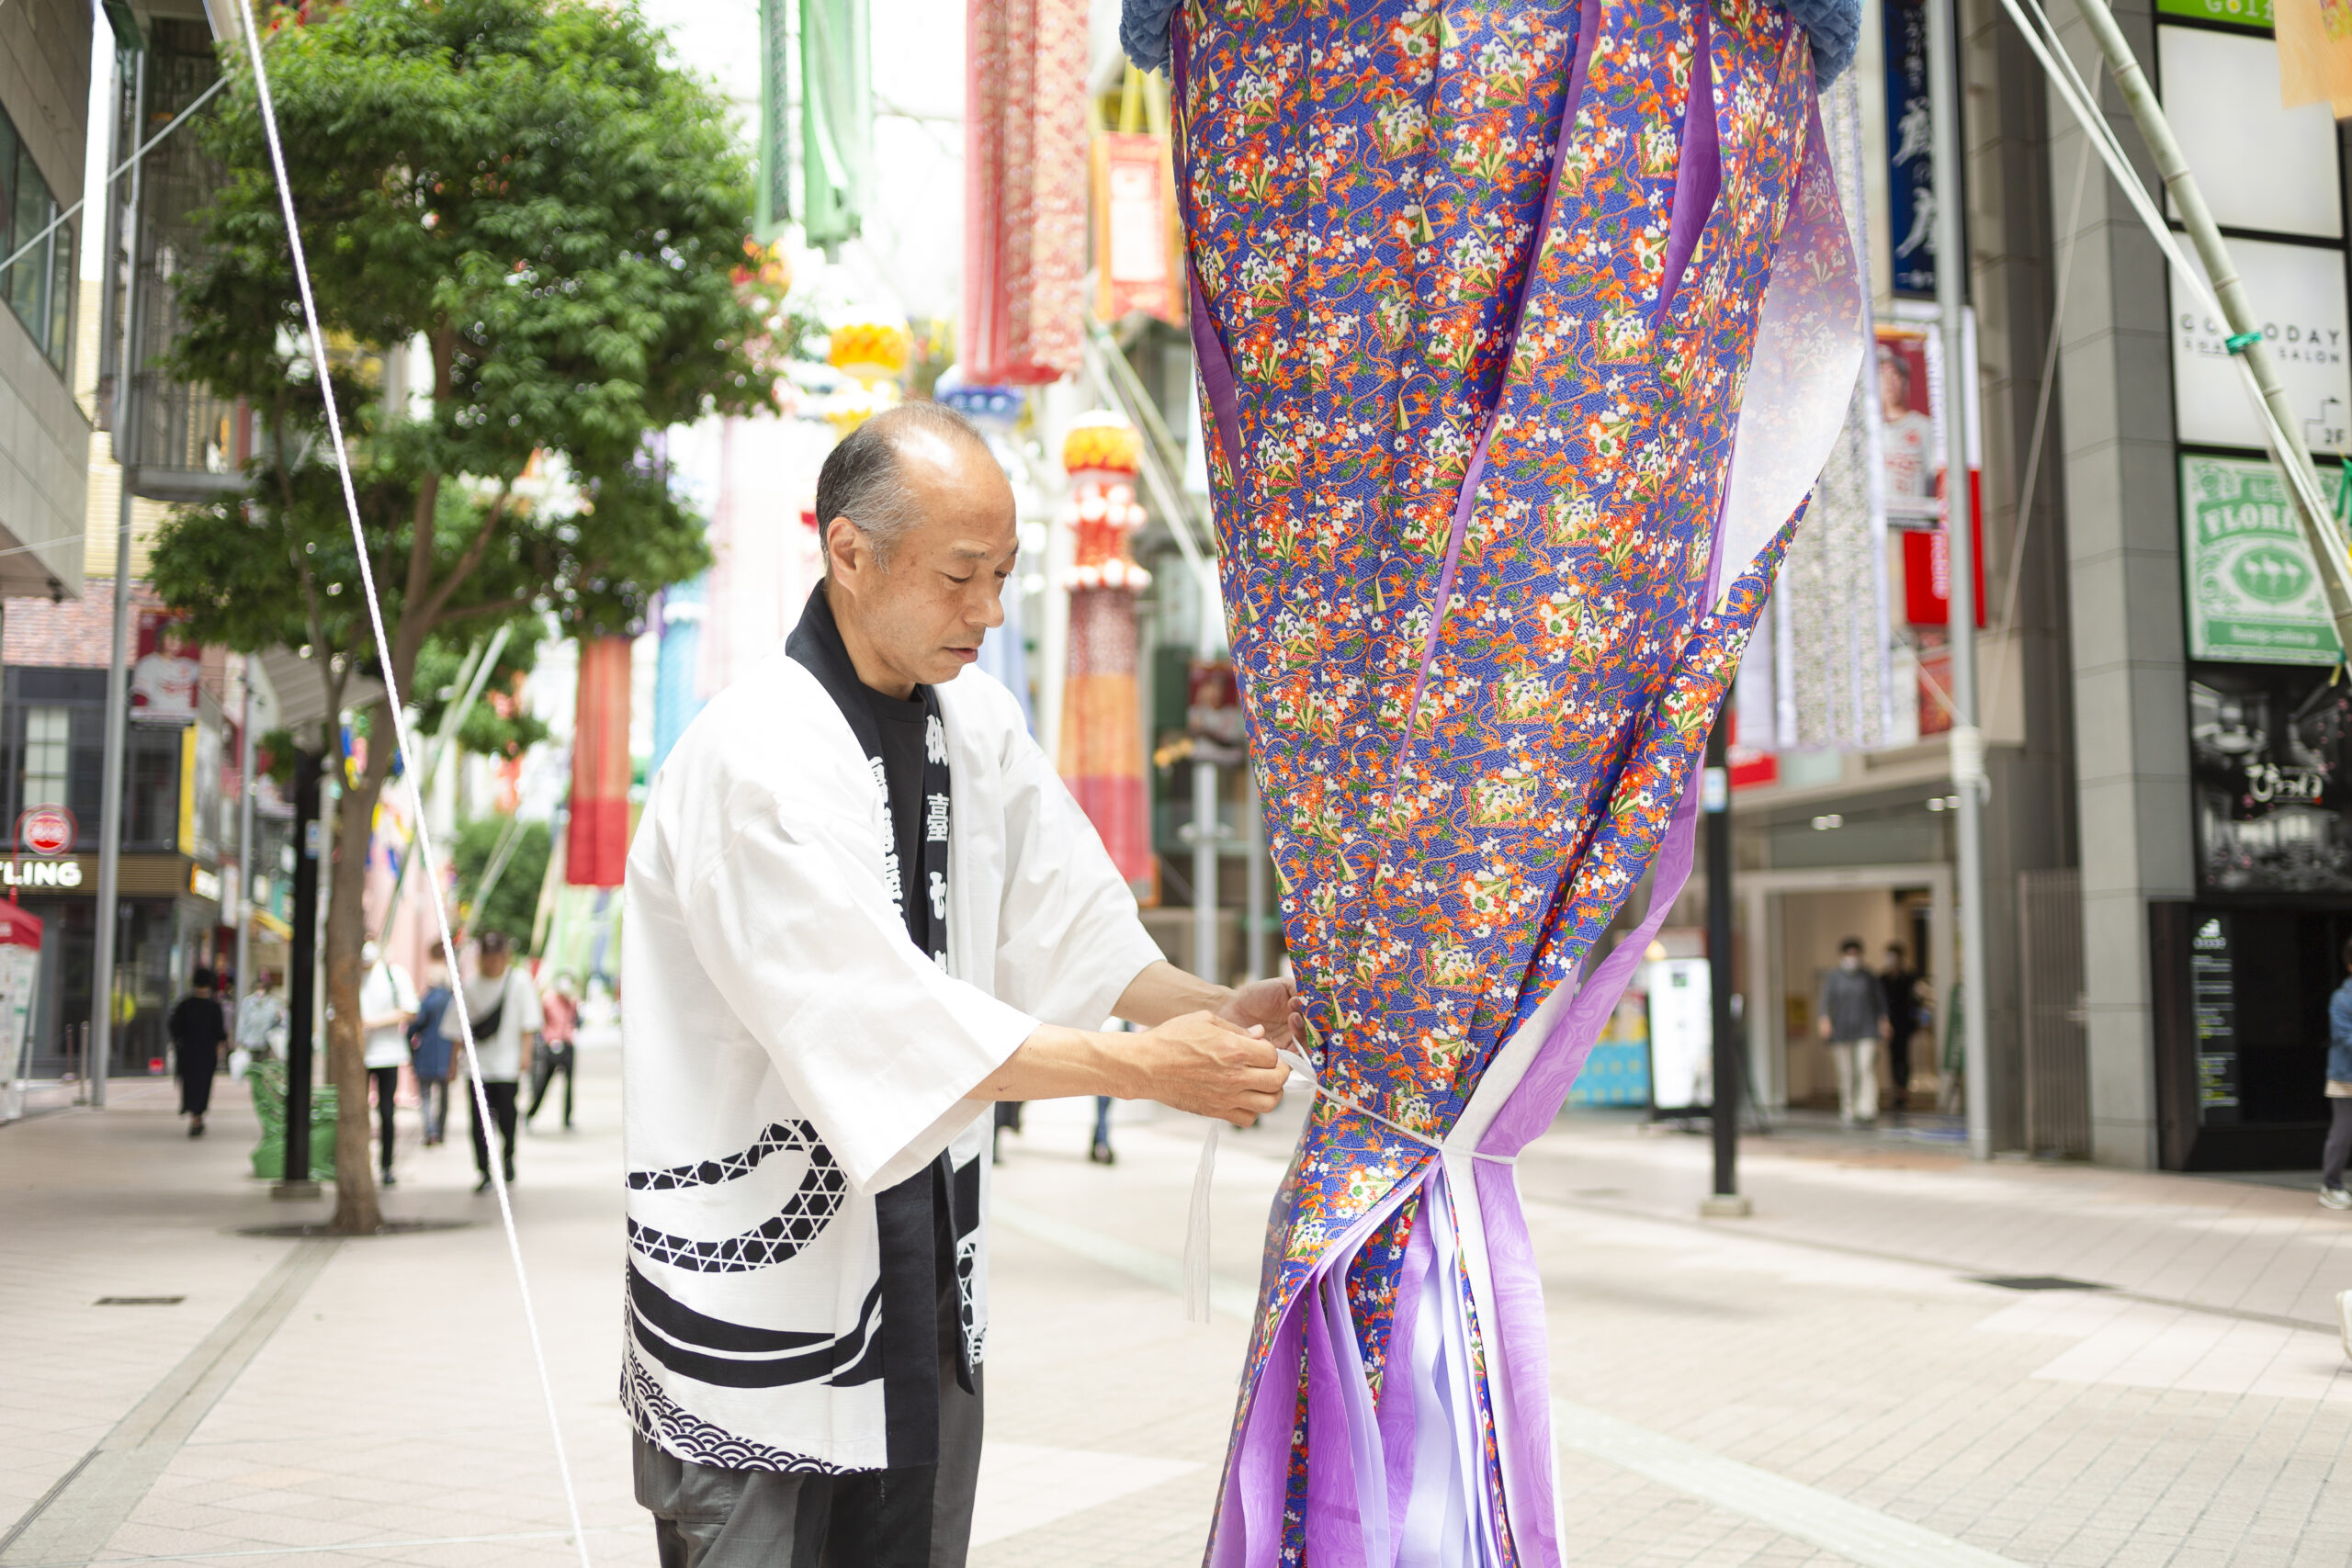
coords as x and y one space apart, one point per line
49 756
39 286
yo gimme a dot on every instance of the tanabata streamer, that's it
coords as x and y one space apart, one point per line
1523 331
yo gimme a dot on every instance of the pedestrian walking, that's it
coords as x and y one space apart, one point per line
429 1053
816 973
1853 1020
387 1001
558 1025
1901 984
2339 1092
502 1010
196 1029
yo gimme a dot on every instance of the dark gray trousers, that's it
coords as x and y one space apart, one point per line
2339 1142
915 1516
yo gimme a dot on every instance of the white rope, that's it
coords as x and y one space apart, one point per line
408 760
1196 1225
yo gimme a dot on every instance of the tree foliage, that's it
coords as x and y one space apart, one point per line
540 221
514 903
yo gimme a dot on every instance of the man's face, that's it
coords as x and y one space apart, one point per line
918 615
493 963
1894 388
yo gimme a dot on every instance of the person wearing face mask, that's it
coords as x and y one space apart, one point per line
1853 1020
387 1001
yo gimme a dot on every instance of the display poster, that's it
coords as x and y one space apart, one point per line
21 936
2300 291
2213 997
2254 594
164 679
1682 1035
2266 760
1910 155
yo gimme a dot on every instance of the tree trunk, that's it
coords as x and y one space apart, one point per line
356 1211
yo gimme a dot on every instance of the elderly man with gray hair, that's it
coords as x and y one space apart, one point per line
861 906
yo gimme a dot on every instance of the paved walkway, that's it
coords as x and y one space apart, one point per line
1821 1384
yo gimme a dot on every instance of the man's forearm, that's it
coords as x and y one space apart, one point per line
1163 991
1057 1064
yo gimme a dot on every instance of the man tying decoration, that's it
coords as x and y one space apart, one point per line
860 907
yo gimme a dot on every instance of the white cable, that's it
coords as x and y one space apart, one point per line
408 760
2042 38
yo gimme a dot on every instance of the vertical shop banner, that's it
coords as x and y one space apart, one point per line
776 118
596 843
165 673
2254 594
2300 291
1910 158
2212 981
1137 245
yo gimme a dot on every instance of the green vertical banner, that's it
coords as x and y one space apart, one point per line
2255 595
776 120
836 118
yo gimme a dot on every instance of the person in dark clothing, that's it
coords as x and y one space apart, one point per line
1901 984
1853 1020
2339 1092
196 1029
429 1055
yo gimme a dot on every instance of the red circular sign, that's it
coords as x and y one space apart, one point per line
46 830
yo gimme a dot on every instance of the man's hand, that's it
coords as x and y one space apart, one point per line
1270 1005
1208 1066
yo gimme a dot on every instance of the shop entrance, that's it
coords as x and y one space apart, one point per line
1795 920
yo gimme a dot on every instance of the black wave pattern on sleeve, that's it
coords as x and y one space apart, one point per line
803 1218
674 1429
732 1355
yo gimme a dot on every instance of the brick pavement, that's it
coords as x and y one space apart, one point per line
1832 1347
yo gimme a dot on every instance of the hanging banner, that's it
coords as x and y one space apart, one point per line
164 679
836 118
1910 157
2255 595
596 843
775 116
2315 53
1137 240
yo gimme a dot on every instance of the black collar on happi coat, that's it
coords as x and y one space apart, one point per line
925 1223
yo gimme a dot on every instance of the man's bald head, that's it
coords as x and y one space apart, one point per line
878 476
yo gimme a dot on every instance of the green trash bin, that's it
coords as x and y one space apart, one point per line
266 1078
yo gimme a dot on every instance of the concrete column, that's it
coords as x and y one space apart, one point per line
2123 565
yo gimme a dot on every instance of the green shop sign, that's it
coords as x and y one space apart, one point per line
2229 12
2254 591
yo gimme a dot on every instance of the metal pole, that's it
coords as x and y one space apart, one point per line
103 959
244 909
1714 800
1967 740
301 981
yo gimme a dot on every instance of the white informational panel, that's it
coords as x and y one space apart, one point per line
2298 291
1681 1034
2259 167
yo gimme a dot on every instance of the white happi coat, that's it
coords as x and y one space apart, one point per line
787 1051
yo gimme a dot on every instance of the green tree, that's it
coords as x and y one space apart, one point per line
542 218
514 903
